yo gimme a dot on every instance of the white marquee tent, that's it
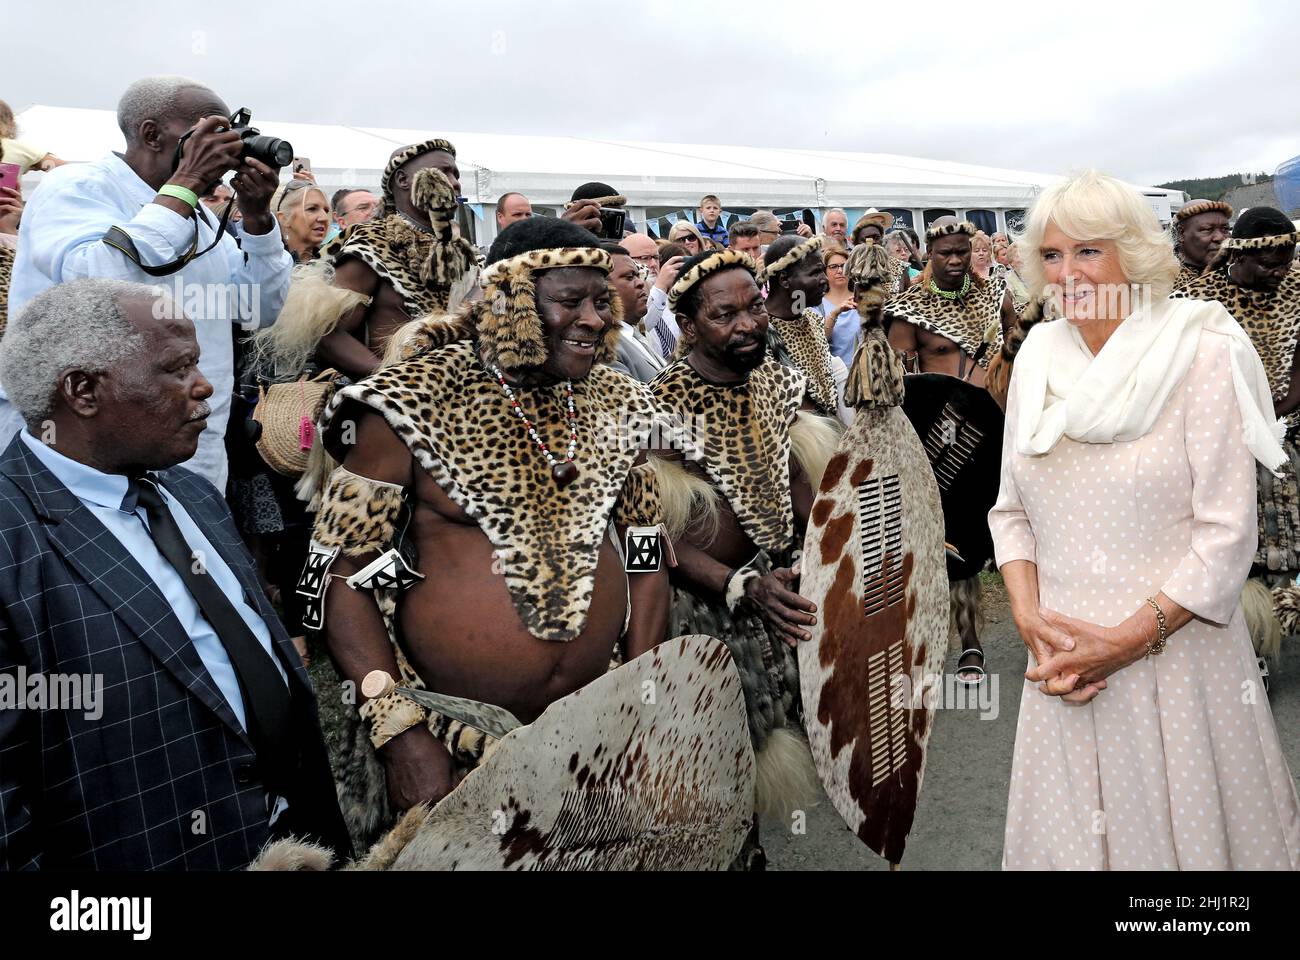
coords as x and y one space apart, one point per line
659 179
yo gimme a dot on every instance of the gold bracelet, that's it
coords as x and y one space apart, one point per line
1162 630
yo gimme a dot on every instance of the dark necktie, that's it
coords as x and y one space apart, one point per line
665 343
266 697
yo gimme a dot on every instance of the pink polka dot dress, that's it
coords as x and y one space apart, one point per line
1176 765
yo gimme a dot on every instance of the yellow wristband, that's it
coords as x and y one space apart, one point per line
179 193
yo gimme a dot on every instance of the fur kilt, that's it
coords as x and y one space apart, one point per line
768 667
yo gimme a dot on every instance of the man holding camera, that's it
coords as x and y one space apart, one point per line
151 193
598 207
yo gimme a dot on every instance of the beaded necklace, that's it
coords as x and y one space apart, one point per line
951 294
563 472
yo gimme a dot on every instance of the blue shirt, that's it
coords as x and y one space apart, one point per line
103 494
845 333
718 233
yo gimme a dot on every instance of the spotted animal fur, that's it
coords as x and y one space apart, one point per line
746 449
459 426
963 321
803 341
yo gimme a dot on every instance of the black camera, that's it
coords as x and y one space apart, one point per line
272 151
612 220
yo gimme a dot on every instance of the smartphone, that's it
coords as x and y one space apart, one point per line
10 175
612 220
789 226
301 163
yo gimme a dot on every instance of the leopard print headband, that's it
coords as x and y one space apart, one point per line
710 265
1197 207
948 229
799 251
507 320
1261 243
405 155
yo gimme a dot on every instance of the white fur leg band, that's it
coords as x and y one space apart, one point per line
736 584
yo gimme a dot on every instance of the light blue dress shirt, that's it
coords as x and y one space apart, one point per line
103 495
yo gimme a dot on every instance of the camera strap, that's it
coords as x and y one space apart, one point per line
120 240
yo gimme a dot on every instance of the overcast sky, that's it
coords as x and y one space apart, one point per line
1147 91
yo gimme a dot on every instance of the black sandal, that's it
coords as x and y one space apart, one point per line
973 668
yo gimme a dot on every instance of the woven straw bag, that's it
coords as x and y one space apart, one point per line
288 413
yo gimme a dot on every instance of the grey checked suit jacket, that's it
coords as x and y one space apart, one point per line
165 778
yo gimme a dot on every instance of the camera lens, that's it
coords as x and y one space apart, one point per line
272 151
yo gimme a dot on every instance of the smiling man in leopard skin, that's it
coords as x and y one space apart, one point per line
479 511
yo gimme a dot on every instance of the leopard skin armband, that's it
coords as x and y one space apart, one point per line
639 502
390 715
358 515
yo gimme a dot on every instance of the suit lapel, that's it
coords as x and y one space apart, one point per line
642 347
114 575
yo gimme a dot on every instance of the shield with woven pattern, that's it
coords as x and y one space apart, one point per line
960 426
873 563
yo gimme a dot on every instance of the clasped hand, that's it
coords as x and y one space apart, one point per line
1075 657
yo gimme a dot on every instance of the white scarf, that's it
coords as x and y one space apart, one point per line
1062 390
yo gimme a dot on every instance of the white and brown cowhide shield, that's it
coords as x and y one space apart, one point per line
873 563
649 767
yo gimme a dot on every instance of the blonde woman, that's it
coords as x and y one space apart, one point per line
1124 530
689 236
304 216
981 255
